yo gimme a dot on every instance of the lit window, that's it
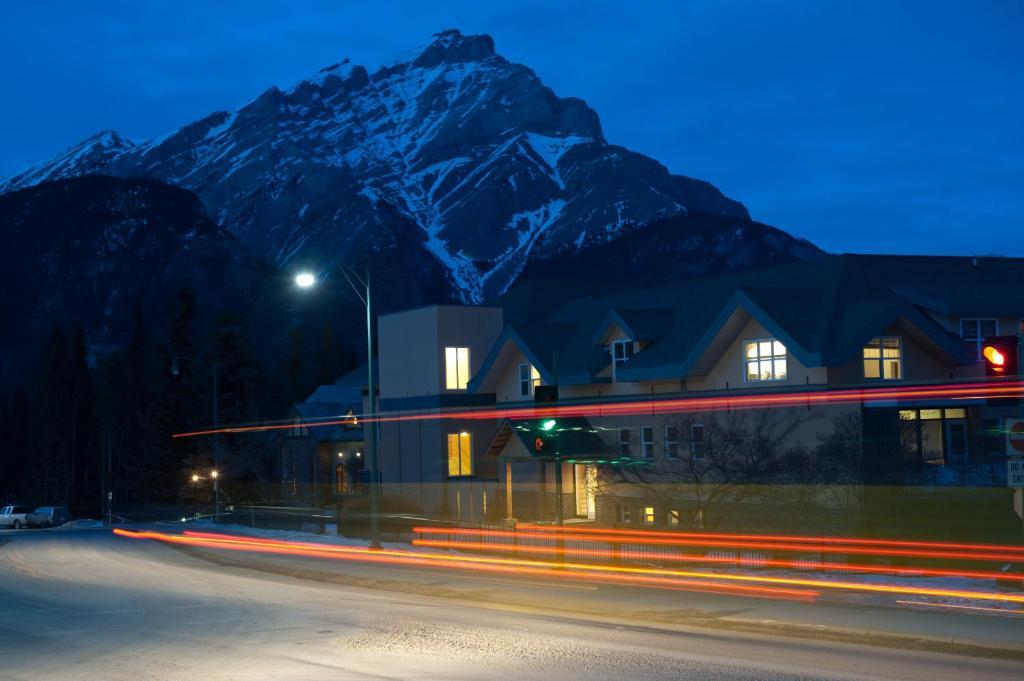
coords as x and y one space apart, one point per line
671 442
460 454
883 359
697 441
648 515
529 379
456 367
647 442
764 360
934 436
673 516
975 331
624 449
625 513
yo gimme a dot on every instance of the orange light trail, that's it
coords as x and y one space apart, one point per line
519 568
678 578
731 543
958 391
894 570
769 538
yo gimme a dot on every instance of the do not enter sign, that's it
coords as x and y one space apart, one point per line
1015 436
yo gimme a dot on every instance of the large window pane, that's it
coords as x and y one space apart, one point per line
883 359
764 360
456 368
460 454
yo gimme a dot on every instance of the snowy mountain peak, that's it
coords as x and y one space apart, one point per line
88 156
451 161
452 47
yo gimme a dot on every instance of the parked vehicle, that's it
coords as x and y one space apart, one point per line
14 516
48 516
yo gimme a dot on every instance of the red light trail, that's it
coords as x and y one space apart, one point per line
612 538
764 586
608 554
957 391
858 541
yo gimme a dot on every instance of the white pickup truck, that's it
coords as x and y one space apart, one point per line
14 516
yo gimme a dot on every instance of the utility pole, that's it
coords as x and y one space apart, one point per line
371 424
307 280
216 443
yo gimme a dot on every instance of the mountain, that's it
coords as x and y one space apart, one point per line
676 248
448 171
86 251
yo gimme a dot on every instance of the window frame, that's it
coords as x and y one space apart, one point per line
648 516
671 445
625 514
674 517
625 446
978 340
463 455
881 359
943 419
647 445
772 359
528 383
618 361
697 452
461 369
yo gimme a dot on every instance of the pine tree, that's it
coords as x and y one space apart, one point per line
178 387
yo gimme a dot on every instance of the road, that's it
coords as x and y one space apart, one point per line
88 605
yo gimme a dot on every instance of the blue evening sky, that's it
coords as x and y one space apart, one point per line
863 126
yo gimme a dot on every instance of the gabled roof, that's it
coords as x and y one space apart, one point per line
822 310
639 325
332 402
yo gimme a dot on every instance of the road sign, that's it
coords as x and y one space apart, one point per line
1014 436
1015 472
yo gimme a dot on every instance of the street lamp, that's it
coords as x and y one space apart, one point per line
306 280
216 491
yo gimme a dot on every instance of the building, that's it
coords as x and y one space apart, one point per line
322 451
850 321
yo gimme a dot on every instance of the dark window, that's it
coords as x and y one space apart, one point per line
647 442
697 441
671 442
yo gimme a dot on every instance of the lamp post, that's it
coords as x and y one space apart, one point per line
214 369
306 280
215 476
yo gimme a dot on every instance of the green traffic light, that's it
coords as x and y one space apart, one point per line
549 424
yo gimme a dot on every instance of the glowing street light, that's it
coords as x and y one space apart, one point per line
304 280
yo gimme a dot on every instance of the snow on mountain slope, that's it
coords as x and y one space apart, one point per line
451 142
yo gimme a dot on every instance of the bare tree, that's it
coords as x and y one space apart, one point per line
724 458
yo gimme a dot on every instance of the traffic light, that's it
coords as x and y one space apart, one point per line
1001 355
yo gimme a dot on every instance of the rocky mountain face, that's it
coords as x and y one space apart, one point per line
449 171
87 251
676 248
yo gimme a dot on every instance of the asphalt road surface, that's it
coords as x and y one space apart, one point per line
87 605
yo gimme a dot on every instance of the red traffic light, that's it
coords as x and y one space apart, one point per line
994 357
1001 356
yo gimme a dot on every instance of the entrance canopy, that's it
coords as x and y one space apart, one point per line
570 440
